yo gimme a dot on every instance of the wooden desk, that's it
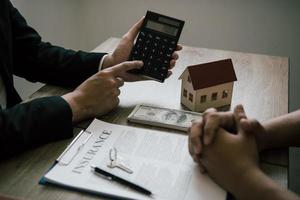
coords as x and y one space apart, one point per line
262 88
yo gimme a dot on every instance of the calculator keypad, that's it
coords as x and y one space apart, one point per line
156 52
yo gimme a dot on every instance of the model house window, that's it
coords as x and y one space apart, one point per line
203 99
189 79
184 92
191 97
214 96
225 94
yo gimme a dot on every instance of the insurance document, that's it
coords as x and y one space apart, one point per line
159 160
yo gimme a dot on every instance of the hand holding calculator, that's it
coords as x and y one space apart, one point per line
155 45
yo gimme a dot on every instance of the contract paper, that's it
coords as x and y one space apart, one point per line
159 160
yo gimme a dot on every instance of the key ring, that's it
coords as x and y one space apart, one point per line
113 155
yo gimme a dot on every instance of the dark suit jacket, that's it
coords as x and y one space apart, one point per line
22 53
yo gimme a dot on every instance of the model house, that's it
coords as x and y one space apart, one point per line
207 85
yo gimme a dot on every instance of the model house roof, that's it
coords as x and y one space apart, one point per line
211 74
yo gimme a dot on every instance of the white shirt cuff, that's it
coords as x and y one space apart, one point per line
101 62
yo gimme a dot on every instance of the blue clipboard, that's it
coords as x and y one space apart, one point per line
43 180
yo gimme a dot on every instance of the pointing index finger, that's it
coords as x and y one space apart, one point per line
125 66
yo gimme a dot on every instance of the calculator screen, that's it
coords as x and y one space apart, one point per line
162 28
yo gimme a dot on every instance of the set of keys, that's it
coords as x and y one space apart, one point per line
115 163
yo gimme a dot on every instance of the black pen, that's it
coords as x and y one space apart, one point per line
120 180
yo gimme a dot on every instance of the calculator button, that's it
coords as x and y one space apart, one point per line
142 34
140 40
169 51
173 42
158 60
138 46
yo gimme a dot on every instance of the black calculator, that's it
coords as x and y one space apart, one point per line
155 44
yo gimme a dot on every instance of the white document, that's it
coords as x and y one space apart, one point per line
160 162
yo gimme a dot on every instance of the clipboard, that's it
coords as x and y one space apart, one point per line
116 133
71 145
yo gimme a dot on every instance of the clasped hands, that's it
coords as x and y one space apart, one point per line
99 93
226 146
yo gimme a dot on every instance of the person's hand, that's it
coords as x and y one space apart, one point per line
229 154
123 50
203 131
231 157
99 93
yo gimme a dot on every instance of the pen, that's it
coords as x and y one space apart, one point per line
120 180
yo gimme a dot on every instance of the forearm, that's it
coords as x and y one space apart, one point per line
34 123
79 111
282 131
257 185
40 61
56 65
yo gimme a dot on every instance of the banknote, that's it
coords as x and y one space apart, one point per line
163 117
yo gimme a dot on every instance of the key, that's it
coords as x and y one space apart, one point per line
114 164
124 168
113 161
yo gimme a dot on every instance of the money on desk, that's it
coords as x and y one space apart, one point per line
163 117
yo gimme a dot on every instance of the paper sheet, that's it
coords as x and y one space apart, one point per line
160 161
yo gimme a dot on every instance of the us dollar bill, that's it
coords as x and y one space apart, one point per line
163 117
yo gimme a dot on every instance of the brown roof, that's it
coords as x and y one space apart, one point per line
211 74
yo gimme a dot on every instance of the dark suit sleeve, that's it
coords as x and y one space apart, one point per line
27 125
48 119
39 61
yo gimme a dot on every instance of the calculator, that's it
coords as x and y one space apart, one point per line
155 44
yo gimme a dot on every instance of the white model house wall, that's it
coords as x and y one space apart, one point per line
190 92
219 101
